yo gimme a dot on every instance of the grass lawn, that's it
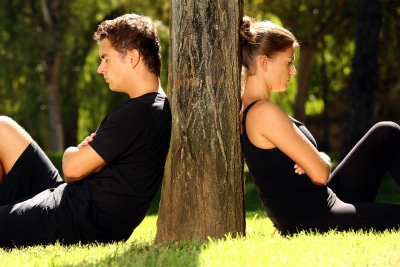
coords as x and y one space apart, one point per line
258 248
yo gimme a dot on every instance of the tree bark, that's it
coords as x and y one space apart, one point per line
56 124
364 75
51 18
203 188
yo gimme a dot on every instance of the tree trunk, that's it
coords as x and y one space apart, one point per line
203 189
303 80
308 44
51 18
364 75
56 124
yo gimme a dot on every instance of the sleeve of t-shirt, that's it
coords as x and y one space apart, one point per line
121 129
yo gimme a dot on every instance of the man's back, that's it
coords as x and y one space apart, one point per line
134 141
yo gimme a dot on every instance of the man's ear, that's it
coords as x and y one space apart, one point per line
133 57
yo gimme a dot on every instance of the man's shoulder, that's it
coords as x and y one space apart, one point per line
147 99
147 105
153 102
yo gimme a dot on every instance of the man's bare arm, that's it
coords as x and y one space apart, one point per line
80 161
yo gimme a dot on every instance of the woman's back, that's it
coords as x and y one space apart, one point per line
286 196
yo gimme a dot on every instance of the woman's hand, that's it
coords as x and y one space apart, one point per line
288 138
299 170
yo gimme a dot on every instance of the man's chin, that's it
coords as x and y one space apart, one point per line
114 89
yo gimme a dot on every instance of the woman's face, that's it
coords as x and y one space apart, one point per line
280 70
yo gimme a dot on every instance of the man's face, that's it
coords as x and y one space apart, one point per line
113 67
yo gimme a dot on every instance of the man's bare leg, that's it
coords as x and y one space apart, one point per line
13 141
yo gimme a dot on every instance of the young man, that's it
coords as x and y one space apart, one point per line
112 176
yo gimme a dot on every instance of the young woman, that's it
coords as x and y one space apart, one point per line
293 178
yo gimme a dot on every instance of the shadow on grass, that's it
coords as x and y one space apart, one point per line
167 254
182 253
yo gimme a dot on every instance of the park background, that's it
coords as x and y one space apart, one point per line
347 79
49 84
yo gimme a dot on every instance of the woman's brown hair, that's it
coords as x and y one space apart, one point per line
263 38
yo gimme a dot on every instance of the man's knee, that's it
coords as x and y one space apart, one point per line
10 127
13 141
6 123
5 120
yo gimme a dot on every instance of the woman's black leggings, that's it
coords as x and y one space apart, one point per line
356 182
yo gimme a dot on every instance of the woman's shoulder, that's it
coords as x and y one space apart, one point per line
266 110
264 104
266 124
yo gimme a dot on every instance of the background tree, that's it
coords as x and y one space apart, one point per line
25 40
94 99
388 93
48 80
203 189
44 59
364 75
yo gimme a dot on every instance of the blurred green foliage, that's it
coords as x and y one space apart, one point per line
26 43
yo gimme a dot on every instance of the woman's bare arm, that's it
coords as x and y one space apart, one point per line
268 126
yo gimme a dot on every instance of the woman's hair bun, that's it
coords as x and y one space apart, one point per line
246 32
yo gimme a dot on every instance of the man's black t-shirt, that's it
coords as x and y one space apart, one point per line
133 140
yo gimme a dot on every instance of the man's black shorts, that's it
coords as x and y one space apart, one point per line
32 210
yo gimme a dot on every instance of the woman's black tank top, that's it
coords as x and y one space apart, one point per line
287 197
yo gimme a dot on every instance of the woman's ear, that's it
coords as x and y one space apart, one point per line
263 62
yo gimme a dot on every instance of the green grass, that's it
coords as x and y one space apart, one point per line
258 248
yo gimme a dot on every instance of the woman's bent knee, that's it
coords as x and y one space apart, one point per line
386 130
389 126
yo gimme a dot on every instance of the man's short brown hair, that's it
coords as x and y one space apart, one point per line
132 31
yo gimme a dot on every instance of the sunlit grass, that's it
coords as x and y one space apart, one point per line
258 248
